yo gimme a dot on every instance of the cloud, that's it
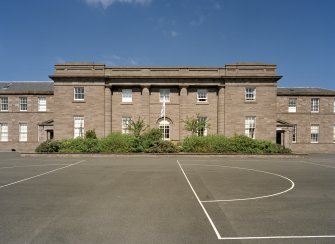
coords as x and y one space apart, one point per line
173 33
106 3
117 60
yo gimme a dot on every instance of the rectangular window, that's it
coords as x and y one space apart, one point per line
42 104
23 104
127 96
292 105
164 94
294 134
3 132
79 93
250 94
202 122
315 133
315 102
125 125
334 133
165 130
4 103
79 126
202 95
250 127
23 132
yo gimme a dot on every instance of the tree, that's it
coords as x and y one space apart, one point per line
194 125
137 127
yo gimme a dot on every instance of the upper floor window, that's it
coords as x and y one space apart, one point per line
250 94
23 132
250 126
79 93
315 103
23 104
202 95
315 133
292 105
125 125
42 104
127 96
79 125
4 132
4 103
164 95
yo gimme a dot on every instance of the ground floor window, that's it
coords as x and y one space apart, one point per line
164 126
250 126
23 132
202 131
3 132
294 134
315 133
125 125
79 126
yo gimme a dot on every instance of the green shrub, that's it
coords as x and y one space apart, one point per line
150 138
90 134
48 146
116 142
162 147
80 145
200 144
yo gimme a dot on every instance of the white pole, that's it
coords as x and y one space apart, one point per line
164 119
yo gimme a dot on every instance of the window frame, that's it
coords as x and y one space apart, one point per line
4 106
125 124
250 94
164 94
79 93
202 132
127 95
42 107
78 131
23 134
167 130
250 128
3 134
295 133
23 104
315 133
202 95
314 106
292 105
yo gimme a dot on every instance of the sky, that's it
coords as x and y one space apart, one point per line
296 35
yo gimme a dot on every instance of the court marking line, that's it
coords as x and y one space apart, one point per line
245 237
27 166
45 173
321 165
202 206
250 198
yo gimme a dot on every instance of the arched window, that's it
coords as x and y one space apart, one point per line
165 128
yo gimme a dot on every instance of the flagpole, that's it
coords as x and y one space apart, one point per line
164 119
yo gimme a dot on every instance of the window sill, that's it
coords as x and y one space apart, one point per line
250 101
202 103
126 103
78 101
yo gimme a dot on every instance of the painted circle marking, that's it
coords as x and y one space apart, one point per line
250 198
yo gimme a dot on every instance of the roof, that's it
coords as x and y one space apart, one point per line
304 91
27 87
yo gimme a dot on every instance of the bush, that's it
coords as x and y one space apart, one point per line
48 146
162 147
80 145
116 142
90 134
200 144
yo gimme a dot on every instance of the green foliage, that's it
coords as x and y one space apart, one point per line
90 134
146 140
48 146
80 145
194 124
116 142
137 127
236 144
162 147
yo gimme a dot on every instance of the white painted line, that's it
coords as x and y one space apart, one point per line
275 237
250 198
322 165
202 206
33 165
49 172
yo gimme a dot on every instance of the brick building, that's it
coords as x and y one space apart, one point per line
235 99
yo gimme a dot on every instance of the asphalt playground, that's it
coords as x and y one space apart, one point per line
166 199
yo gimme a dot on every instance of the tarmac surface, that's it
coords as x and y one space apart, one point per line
166 199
